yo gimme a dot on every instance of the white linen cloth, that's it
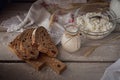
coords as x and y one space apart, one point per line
40 16
112 72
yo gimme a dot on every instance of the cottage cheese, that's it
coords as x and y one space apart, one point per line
90 23
94 24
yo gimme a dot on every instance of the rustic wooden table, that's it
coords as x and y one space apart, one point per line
79 67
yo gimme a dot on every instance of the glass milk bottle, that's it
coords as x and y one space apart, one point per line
71 41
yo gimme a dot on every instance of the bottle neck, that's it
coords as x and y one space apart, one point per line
71 29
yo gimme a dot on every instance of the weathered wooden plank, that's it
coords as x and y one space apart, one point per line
74 71
106 52
103 53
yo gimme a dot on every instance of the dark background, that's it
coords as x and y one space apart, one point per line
4 3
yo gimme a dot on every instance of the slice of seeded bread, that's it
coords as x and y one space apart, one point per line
31 51
45 44
14 46
22 44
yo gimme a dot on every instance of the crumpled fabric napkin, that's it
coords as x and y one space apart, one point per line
40 14
112 72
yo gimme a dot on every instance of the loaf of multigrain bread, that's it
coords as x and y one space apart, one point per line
45 44
35 47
